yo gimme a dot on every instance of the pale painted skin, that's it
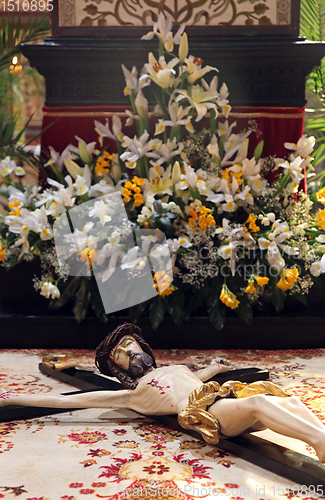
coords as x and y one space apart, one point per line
165 390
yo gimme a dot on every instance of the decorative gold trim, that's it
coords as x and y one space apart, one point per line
108 114
266 115
75 114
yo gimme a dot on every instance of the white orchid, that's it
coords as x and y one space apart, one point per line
163 30
138 147
318 267
105 131
279 233
238 238
8 166
166 151
294 168
201 98
49 290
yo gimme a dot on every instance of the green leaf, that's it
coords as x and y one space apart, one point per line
136 311
277 295
245 311
216 310
176 307
80 308
302 298
157 310
67 294
97 303
158 207
258 150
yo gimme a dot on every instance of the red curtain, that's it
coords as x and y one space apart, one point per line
276 125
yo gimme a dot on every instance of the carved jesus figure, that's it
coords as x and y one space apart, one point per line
212 410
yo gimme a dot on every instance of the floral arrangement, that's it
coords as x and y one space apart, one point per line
236 239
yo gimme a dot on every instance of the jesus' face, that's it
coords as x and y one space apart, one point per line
128 355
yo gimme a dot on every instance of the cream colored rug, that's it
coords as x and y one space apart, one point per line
117 455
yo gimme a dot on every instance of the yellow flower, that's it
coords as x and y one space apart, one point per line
103 164
87 255
321 219
320 195
252 224
250 287
292 275
2 252
14 208
228 298
202 219
132 189
262 280
288 278
163 283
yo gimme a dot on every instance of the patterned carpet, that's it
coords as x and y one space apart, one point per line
119 455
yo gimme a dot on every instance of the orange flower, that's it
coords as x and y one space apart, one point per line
321 219
228 298
320 195
103 164
131 190
252 224
2 252
262 280
163 283
87 255
202 219
288 278
250 287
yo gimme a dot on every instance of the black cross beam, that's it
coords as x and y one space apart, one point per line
289 464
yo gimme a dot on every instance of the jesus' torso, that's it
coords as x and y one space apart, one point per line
164 391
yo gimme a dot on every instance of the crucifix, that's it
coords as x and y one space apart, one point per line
219 414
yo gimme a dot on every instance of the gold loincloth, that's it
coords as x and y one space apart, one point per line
196 417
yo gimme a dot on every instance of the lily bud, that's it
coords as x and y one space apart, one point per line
116 172
183 48
83 152
141 104
176 173
72 168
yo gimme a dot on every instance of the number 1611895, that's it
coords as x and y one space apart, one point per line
27 5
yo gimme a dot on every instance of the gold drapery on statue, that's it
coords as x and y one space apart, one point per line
196 417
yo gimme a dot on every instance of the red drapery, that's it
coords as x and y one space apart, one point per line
276 125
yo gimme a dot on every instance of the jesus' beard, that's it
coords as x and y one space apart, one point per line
139 364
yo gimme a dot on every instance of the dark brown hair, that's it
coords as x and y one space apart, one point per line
107 366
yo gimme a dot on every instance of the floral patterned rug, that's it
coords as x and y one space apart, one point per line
119 455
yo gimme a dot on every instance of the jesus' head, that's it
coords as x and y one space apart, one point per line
125 355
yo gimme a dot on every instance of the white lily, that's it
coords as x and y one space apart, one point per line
160 72
294 168
49 290
138 147
201 98
318 267
163 30
194 67
279 232
102 211
165 151
83 182
159 181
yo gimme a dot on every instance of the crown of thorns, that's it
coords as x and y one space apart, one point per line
103 363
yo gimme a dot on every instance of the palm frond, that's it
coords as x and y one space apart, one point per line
312 19
11 35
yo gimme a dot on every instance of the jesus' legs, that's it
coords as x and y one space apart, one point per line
237 415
